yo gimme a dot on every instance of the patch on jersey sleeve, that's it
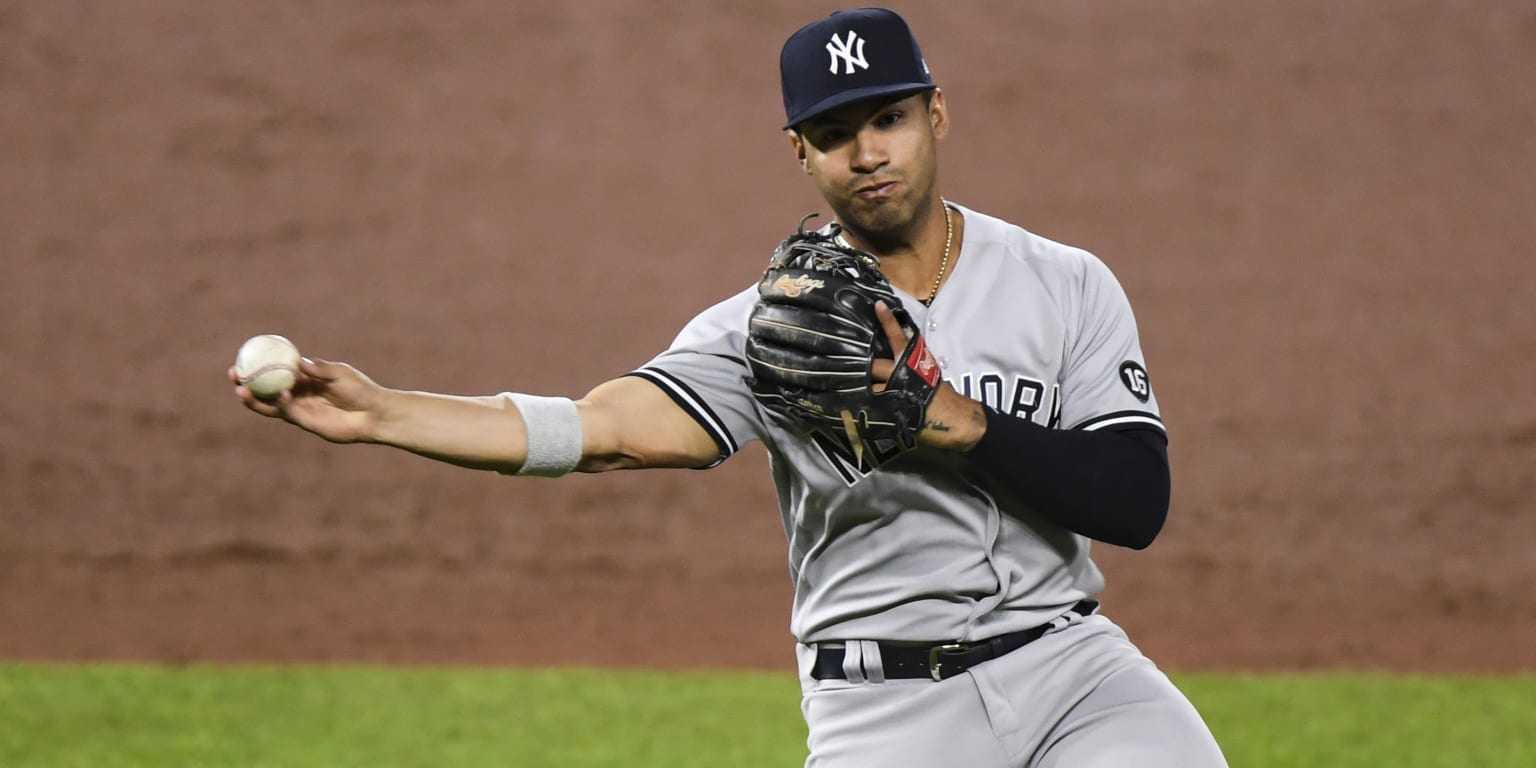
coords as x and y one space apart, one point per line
1134 377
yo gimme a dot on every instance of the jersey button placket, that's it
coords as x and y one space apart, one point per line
930 327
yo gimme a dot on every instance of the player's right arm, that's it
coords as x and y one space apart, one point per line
627 423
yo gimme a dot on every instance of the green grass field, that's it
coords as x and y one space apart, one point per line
118 715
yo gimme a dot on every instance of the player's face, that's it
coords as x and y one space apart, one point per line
874 161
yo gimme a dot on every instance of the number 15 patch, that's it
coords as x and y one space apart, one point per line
1134 377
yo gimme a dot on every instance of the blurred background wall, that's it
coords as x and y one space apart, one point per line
1321 212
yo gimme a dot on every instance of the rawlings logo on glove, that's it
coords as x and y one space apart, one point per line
812 340
794 286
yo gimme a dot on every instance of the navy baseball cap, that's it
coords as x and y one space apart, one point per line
848 56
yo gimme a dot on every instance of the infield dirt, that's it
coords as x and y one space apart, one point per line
1321 211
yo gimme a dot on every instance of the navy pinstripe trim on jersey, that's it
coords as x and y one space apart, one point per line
1122 420
694 406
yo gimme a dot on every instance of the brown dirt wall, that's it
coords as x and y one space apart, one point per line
1321 212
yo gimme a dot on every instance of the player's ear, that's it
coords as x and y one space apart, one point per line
938 114
798 144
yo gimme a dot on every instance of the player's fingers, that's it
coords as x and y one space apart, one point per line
318 369
284 401
892 327
234 378
263 407
881 372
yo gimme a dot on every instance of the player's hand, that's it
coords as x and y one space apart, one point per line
953 421
883 367
332 400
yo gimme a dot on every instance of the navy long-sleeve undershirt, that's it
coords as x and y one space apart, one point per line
1109 485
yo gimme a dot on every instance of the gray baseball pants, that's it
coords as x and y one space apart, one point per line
1082 696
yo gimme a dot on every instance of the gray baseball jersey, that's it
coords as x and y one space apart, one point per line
922 546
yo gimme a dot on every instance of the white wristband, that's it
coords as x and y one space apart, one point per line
553 426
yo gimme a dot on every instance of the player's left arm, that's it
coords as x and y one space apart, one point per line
1111 484
1108 479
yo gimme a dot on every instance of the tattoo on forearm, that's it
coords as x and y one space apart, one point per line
937 426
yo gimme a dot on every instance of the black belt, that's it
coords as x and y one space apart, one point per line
938 661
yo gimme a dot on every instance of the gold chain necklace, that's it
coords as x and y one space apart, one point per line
949 238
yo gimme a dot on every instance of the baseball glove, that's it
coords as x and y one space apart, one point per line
812 340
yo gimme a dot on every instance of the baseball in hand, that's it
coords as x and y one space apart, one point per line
267 365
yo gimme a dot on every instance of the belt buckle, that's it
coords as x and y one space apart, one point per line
933 658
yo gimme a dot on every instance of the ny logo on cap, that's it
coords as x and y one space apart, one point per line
844 49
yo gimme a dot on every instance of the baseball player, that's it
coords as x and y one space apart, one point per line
953 407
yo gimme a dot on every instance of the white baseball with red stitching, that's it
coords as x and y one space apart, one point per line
267 365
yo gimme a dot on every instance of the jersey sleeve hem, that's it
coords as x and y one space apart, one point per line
1123 420
694 406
